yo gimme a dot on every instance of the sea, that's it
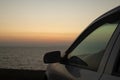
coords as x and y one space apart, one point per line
30 58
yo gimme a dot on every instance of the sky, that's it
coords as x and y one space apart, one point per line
47 22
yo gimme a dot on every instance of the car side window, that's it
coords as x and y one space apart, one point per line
92 48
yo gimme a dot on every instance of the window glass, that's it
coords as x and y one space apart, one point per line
91 49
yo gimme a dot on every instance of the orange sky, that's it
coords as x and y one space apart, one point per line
36 37
47 21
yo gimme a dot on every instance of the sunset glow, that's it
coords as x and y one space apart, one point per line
47 22
36 37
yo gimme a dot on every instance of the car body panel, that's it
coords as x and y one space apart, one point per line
109 69
57 71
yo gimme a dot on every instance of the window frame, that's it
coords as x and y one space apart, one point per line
84 67
110 16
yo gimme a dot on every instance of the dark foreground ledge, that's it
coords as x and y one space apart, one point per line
18 74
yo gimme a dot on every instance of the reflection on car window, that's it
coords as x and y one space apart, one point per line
91 49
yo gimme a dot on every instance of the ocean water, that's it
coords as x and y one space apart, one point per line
25 57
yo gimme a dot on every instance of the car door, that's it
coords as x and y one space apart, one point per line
87 60
92 50
112 69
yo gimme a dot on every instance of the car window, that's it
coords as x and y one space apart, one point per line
92 48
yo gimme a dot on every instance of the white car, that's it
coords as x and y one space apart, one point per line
95 54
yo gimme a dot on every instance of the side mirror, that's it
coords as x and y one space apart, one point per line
52 57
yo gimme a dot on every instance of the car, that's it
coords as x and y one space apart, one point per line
94 55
